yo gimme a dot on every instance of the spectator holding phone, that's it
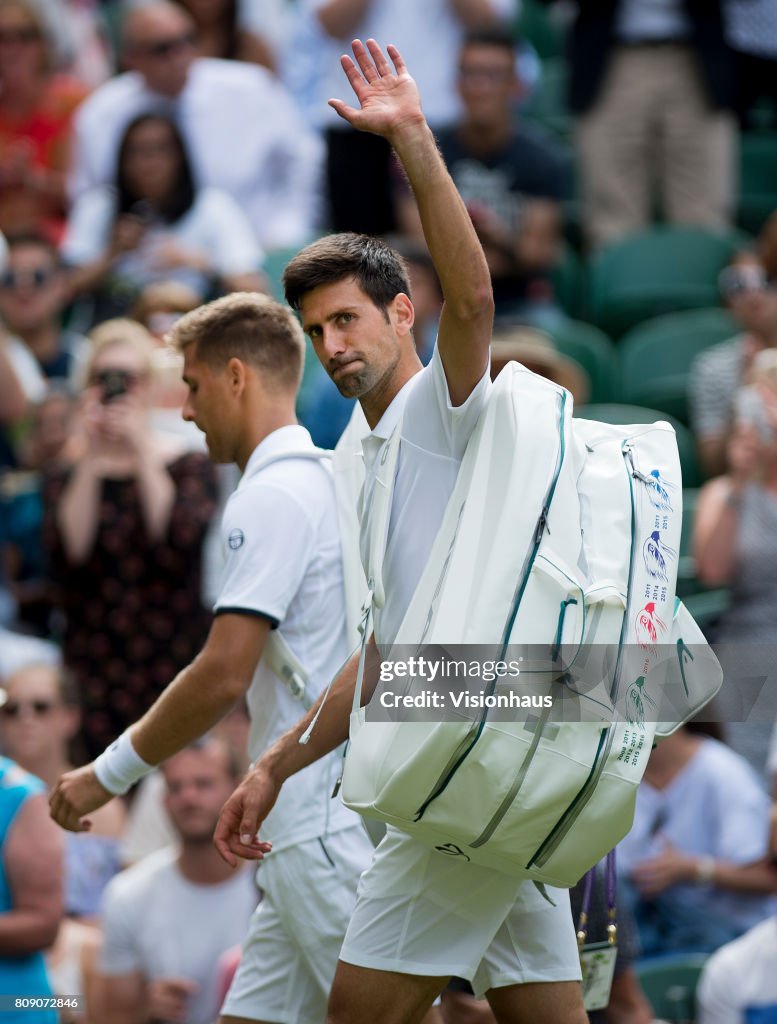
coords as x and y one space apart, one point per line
124 525
735 538
736 517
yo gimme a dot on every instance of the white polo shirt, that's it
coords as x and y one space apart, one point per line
434 438
739 983
283 562
244 134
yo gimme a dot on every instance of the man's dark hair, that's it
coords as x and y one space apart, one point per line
19 239
378 269
494 36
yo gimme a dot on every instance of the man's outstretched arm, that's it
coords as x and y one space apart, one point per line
194 702
243 814
391 106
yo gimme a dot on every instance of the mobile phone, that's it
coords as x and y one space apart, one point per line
113 384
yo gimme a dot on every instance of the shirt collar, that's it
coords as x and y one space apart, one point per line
289 438
388 421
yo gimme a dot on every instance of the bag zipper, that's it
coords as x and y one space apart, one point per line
607 736
473 734
542 719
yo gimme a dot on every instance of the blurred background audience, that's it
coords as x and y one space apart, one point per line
154 225
242 128
124 526
30 888
169 919
619 161
37 104
694 867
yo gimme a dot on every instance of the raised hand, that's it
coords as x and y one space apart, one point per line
388 97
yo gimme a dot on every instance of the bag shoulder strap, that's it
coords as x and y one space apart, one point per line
380 514
348 470
277 653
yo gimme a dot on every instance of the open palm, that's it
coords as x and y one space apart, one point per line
388 97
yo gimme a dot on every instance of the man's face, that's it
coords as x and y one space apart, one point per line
32 292
198 784
33 717
161 46
210 405
487 81
356 343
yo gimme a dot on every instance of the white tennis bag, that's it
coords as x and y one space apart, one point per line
562 534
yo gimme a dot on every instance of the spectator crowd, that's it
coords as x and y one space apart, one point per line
618 161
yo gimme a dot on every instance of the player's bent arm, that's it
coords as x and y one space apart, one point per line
205 690
33 858
249 805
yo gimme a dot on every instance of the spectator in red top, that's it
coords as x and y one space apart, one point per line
36 108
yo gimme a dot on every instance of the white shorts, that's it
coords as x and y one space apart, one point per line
420 911
294 938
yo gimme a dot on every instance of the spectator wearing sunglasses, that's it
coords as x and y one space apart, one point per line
124 526
241 127
33 295
36 111
39 716
39 719
718 372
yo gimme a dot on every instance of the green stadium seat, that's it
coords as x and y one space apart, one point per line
594 351
757 180
568 280
274 264
547 106
662 270
654 357
670 986
537 25
707 606
275 261
620 413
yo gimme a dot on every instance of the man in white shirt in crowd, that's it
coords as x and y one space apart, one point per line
168 920
421 916
244 132
282 578
739 982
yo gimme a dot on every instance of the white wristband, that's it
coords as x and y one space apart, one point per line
120 766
